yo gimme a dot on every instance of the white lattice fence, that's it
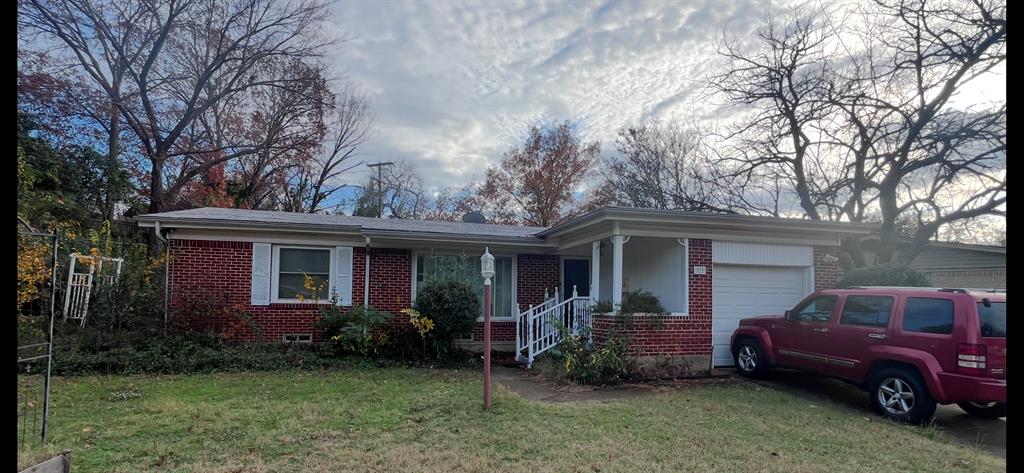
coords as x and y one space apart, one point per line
83 272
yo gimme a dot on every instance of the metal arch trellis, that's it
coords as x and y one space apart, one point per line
33 353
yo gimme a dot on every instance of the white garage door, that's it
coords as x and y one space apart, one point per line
745 291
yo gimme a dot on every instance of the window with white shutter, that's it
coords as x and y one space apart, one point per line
342 283
260 293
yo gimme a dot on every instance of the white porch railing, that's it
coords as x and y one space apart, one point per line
536 328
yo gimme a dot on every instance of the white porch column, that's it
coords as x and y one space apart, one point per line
617 241
595 271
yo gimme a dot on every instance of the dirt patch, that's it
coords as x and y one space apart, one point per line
536 387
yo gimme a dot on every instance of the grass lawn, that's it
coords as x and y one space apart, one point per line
398 419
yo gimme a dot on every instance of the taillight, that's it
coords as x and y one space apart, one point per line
970 359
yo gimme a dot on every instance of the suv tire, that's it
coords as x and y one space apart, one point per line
749 359
901 395
987 410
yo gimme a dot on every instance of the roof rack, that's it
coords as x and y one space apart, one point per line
963 290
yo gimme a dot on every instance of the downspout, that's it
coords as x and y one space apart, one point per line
167 271
366 275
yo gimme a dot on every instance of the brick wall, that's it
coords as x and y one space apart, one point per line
826 274
986 278
673 335
211 280
504 331
534 275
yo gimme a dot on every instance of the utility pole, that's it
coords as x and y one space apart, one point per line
380 186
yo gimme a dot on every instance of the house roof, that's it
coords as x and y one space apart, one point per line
369 226
947 244
224 218
705 218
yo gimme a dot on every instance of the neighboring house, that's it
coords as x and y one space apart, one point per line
951 264
709 270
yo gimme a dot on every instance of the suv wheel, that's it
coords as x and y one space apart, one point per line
749 359
899 394
988 410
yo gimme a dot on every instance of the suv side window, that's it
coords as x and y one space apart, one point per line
818 309
928 315
871 311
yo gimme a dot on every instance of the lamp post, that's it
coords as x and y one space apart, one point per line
487 271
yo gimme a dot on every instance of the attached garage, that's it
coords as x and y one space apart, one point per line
751 279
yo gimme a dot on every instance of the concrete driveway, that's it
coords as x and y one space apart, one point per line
988 434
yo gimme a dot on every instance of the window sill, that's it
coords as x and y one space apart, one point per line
305 302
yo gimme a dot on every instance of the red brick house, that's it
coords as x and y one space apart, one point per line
708 269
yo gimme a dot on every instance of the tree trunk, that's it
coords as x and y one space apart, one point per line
156 202
853 252
113 151
887 233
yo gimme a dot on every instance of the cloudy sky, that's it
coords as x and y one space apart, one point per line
455 83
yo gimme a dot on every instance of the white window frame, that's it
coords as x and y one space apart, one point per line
275 274
515 290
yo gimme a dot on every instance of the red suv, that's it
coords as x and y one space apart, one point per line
910 348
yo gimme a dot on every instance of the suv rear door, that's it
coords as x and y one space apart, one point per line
932 324
863 322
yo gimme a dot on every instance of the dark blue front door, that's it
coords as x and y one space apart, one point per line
576 272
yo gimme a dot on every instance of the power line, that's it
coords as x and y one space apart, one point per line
380 186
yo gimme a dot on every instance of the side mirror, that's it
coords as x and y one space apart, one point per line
789 314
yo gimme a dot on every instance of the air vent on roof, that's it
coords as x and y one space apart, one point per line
474 217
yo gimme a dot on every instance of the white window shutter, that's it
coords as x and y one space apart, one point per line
343 274
260 274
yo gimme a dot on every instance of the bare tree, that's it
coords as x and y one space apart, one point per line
864 130
660 165
310 186
403 194
164 64
535 182
781 81
450 204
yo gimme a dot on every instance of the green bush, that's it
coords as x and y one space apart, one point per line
884 275
638 301
583 362
454 308
186 354
358 330
602 307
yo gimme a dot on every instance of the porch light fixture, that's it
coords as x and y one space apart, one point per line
487 265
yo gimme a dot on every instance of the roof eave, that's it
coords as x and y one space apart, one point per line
219 224
655 216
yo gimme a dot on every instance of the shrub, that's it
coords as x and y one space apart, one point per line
187 354
453 307
884 275
603 307
638 301
358 330
582 362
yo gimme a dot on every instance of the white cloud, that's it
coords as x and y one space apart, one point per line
455 83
